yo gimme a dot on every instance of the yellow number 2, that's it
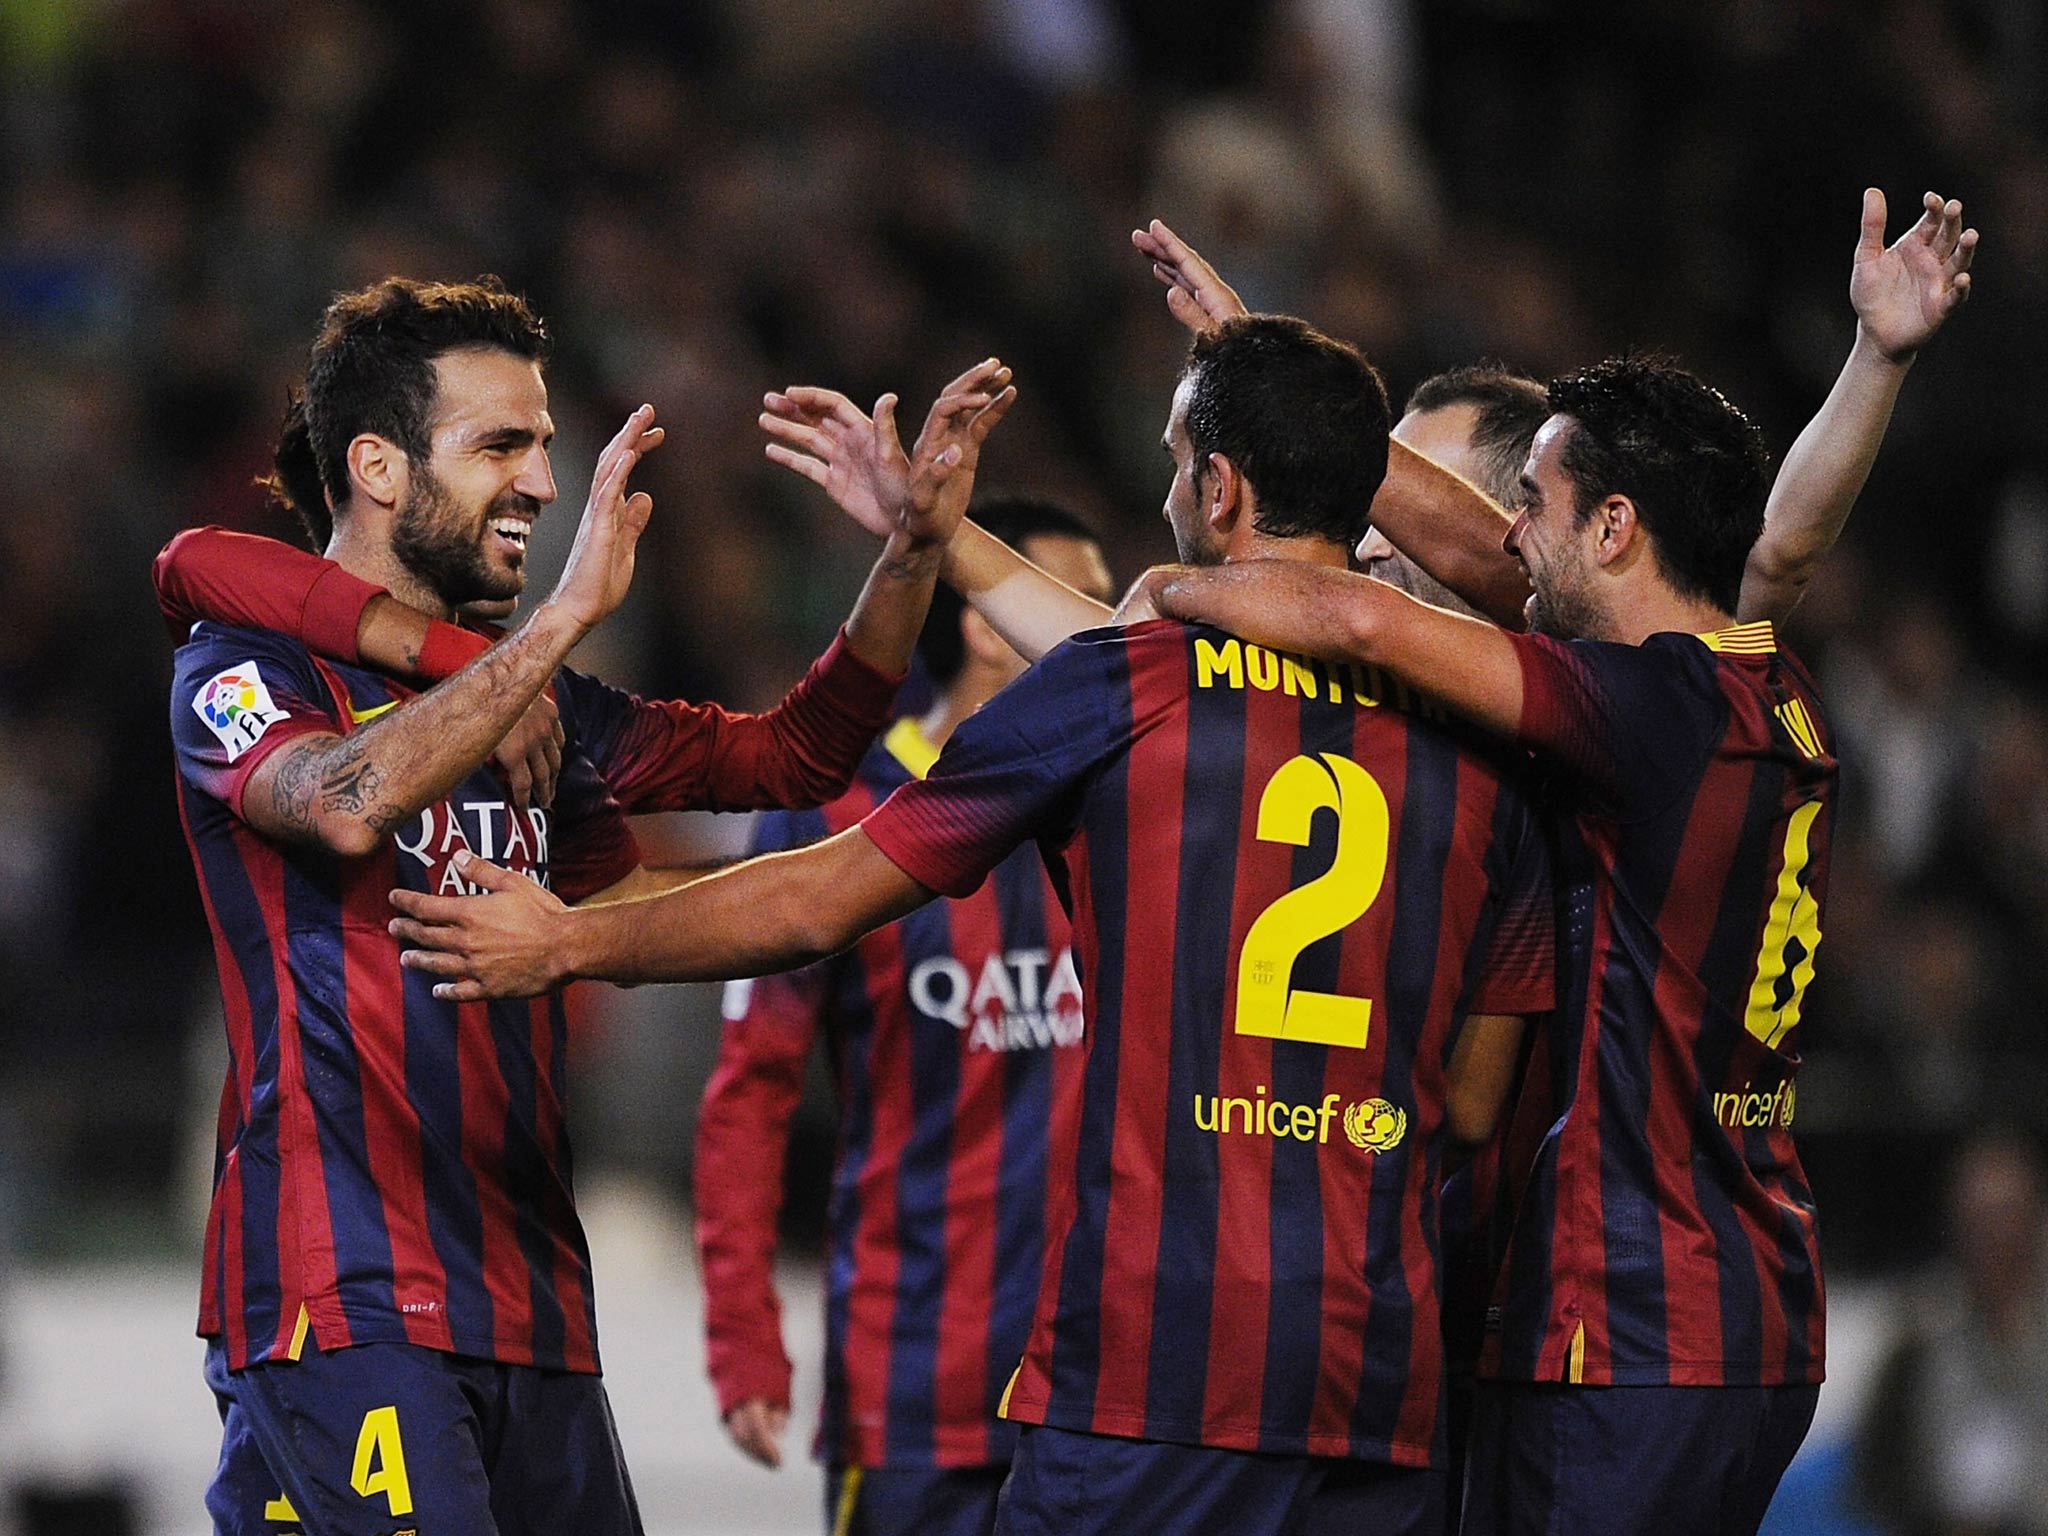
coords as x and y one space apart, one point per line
379 1442
1266 1002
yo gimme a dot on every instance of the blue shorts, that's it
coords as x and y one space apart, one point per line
912 1501
1544 1459
1064 1483
385 1438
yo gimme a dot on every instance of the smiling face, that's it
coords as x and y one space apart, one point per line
463 524
1551 538
1194 539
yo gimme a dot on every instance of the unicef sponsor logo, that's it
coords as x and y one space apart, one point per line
1021 999
1371 1125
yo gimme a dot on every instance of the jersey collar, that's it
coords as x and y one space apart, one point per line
1757 639
908 744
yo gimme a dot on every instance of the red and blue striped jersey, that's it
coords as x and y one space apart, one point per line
1287 894
390 1166
1665 1232
949 1033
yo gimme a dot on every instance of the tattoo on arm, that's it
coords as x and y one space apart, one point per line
350 781
384 818
291 791
911 567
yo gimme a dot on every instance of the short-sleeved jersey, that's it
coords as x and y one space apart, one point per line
949 1033
389 1166
1287 894
1665 1234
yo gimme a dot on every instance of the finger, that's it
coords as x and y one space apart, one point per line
824 403
1187 309
1951 229
1958 263
1870 239
634 514
459 991
885 427
433 962
811 439
479 871
427 909
1930 218
435 936
979 428
984 370
946 407
802 463
1173 249
519 781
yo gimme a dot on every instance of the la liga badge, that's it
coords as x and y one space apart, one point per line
237 707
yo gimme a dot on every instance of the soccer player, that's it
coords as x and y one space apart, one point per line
949 1033
1662 1340
397 1293
1309 922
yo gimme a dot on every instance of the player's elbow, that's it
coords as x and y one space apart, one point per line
348 837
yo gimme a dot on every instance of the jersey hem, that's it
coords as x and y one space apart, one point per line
1251 1438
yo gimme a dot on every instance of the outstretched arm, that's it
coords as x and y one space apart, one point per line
767 914
1316 610
345 793
1901 297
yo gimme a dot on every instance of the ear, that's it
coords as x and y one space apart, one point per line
1618 532
377 469
1224 503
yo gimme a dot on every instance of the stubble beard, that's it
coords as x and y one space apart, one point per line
444 547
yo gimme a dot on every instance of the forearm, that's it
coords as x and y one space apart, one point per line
1030 608
882 630
1453 530
1339 615
347 792
1818 484
768 914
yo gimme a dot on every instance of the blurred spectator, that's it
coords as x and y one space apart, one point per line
1955 1441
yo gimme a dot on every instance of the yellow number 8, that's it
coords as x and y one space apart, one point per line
1266 1003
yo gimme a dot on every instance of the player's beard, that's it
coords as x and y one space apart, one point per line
1562 609
441 544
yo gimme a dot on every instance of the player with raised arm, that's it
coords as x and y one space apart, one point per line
950 1034
397 1291
1661 1299
1309 921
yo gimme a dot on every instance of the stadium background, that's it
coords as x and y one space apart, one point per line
713 199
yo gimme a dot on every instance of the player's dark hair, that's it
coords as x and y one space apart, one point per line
1302 415
372 370
1013 519
1693 464
1508 408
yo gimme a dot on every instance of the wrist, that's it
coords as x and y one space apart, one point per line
555 627
1877 354
910 554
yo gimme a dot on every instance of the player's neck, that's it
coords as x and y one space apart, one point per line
1652 608
1247 543
361 552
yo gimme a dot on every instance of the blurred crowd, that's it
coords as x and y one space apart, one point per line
715 199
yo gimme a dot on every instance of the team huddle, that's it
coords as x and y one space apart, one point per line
1315 1042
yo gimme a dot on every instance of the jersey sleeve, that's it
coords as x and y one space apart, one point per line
1517 969
1014 771
742 1146
671 756
593 845
1631 723
237 695
247 581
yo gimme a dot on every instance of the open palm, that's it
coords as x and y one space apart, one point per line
1903 293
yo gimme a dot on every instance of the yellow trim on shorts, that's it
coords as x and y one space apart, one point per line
298 1334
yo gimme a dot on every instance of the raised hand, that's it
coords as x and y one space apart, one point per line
1197 297
948 451
1903 293
503 942
859 461
600 566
